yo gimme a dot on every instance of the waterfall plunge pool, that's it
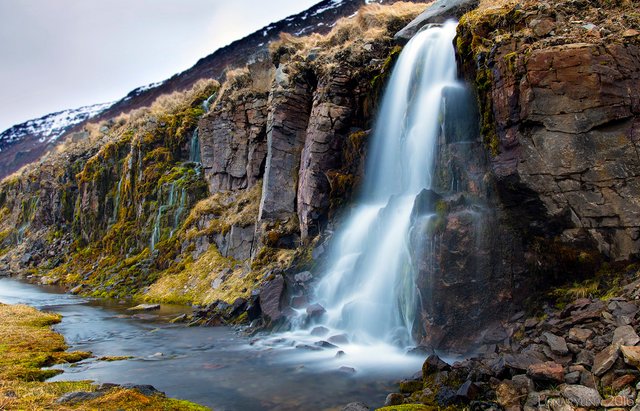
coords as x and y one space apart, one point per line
216 366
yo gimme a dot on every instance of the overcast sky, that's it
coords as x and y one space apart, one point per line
59 54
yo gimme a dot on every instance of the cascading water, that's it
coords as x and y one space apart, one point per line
369 290
194 148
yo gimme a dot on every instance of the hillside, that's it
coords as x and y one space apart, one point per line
27 142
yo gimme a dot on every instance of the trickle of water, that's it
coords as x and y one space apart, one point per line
116 203
207 103
369 290
194 147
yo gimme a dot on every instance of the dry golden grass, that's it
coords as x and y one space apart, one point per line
27 343
373 22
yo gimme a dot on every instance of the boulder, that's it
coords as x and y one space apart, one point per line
409 386
434 364
315 311
271 294
393 399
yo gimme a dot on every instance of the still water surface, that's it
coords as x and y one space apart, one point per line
216 367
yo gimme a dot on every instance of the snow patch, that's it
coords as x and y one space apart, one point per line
332 5
50 127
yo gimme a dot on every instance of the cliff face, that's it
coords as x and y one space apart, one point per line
550 186
207 194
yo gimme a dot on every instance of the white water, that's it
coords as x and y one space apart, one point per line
369 289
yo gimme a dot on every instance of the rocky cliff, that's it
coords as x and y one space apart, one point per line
226 196
208 194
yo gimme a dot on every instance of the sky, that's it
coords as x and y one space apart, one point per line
59 54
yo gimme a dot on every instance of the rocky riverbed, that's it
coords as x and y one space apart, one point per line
584 355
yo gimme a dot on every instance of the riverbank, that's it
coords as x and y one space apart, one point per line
578 351
28 345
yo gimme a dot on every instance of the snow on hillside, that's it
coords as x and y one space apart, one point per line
50 127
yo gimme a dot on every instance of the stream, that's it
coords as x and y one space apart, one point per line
216 367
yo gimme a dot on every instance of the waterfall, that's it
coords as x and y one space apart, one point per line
116 202
194 148
177 203
207 103
369 290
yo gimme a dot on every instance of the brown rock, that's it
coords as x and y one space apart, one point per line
605 359
509 395
631 355
579 335
623 381
270 298
625 335
547 371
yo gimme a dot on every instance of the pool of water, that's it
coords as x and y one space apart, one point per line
218 366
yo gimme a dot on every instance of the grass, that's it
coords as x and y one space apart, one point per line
27 343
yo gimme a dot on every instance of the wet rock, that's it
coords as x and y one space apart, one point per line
308 347
581 396
603 361
299 301
324 344
420 350
303 277
356 406
557 344
339 339
409 386
468 391
340 354
393 399
434 364
315 311
238 307
548 371
319 331
347 370
145 307
270 298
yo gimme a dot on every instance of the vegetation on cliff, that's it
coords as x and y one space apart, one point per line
119 210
